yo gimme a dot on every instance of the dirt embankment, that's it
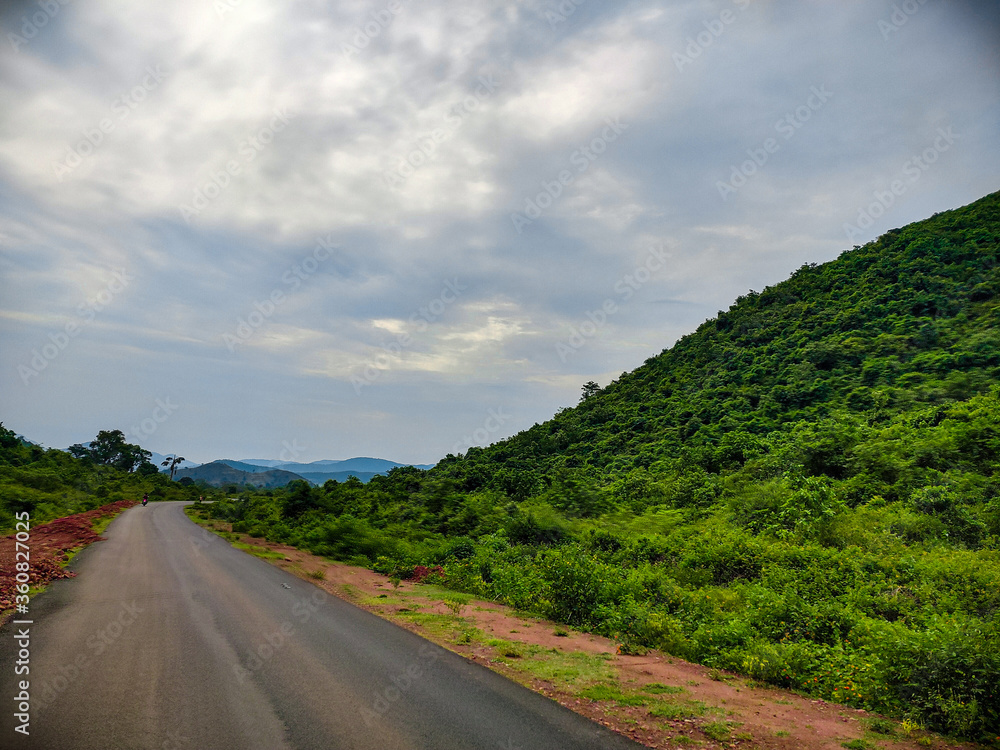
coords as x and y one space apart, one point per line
48 547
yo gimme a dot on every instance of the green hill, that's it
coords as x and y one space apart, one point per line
804 490
50 483
908 321
221 474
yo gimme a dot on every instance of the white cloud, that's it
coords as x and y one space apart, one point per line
354 118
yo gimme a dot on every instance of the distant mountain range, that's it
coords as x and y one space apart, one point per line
371 465
267 473
217 474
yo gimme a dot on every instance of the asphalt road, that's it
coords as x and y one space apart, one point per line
169 638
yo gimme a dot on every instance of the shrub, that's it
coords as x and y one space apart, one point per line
575 583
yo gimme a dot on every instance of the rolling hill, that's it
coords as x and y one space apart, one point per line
806 489
217 474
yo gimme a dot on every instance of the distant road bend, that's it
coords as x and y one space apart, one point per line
169 638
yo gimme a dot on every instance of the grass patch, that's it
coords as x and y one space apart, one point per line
469 635
717 730
658 688
70 554
881 726
433 591
610 692
351 592
573 669
670 710
444 627
264 554
382 600
102 523
508 649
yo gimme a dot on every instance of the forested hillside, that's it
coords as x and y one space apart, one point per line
50 483
803 490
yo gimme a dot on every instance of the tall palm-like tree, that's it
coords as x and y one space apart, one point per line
172 464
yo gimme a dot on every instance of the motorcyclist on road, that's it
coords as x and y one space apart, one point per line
145 499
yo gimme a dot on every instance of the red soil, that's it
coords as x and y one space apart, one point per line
48 546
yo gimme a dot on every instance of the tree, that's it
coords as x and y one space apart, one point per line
300 498
172 464
590 388
8 438
110 449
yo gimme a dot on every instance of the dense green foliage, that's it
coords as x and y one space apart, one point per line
109 448
53 483
804 490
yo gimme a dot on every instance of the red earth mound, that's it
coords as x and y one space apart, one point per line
47 546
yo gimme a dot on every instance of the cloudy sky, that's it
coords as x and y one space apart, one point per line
309 229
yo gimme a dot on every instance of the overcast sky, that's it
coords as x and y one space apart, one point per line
311 229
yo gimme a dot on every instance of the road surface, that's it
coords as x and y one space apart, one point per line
169 638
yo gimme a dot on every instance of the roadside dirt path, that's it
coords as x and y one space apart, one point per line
715 709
